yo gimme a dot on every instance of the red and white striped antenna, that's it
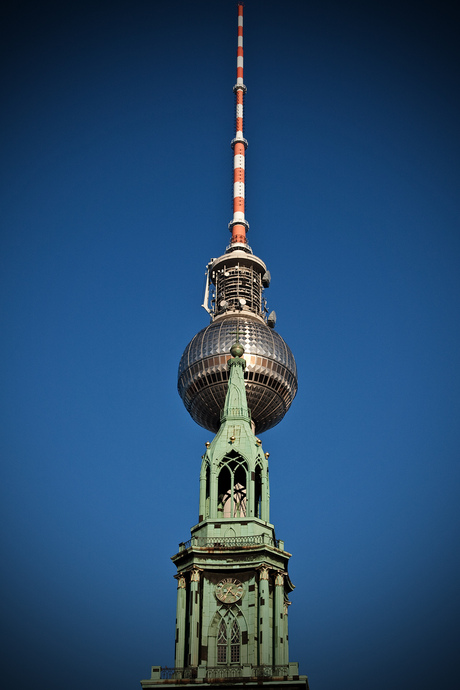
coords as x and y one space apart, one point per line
239 225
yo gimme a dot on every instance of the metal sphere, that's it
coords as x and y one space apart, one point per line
237 350
271 373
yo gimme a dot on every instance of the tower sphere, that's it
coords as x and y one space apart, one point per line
270 376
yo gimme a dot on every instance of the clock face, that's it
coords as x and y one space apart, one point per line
229 590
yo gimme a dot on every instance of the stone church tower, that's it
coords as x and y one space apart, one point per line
232 581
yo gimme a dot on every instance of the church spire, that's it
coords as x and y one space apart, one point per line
234 471
236 405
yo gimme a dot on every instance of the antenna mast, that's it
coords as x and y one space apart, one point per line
239 225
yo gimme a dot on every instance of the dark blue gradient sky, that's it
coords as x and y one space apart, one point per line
115 192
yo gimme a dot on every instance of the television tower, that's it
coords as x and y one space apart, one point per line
237 378
234 299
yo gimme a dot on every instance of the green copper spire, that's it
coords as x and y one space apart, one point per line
236 406
232 581
234 471
236 620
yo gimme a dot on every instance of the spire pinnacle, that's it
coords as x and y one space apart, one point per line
236 405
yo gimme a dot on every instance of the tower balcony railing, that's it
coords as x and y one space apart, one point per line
267 671
226 672
240 243
243 412
230 542
177 673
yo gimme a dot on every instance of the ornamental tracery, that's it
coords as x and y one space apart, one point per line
232 487
228 640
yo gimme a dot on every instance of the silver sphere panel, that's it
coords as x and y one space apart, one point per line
271 373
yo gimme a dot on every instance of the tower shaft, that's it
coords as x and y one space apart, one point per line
239 225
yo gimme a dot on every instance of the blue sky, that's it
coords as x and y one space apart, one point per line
116 191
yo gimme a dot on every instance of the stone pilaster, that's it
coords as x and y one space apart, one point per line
287 603
195 610
213 493
278 619
265 495
202 507
265 638
181 611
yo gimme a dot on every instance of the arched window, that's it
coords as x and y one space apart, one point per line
228 642
258 493
208 491
224 492
239 492
232 494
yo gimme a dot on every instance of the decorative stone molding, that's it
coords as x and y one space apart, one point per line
263 572
195 574
279 578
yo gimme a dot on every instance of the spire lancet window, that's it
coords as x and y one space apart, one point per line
258 492
232 487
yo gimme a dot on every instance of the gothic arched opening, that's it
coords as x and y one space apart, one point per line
228 642
239 492
207 490
258 492
232 487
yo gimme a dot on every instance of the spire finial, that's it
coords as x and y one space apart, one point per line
236 405
239 225
236 350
